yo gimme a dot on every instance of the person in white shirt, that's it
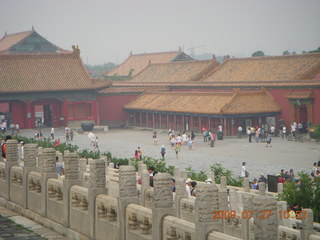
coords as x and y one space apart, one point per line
188 186
52 133
240 132
244 172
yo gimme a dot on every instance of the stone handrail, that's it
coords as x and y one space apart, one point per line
55 189
16 175
2 170
175 228
34 181
79 197
139 218
107 207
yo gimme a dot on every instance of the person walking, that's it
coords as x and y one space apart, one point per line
239 132
155 139
163 151
71 134
52 133
249 134
269 138
177 150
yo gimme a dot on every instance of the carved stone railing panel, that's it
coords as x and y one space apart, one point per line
79 197
177 229
285 233
16 175
34 182
2 171
187 209
107 208
55 189
221 236
139 219
149 197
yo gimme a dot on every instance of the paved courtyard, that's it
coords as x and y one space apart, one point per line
230 152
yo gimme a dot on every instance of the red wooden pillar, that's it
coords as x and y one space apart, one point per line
65 111
28 113
95 112
224 126
140 119
200 129
134 119
183 127
153 126
147 117
160 120
191 123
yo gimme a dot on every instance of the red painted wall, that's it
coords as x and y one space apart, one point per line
111 109
18 113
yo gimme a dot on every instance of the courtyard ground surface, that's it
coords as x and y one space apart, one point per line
230 152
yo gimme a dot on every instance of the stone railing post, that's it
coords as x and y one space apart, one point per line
180 177
307 224
40 159
280 188
163 203
246 185
265 215
12 160
49 170
97 185
223 198
145 179
30 164
72 177
207 202
127 194
247 209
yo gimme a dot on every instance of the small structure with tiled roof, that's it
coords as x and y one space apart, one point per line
135 63
27 42
200 110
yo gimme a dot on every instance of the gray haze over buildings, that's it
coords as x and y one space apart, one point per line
108 30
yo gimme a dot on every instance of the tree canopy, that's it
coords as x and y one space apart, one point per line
258 54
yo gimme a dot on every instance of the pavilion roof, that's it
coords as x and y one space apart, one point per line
208 103
174 71
135 63
38 72
267 69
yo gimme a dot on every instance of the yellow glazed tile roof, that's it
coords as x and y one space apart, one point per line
213 103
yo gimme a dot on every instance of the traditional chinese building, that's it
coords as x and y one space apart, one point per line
135 63
42 82
292 81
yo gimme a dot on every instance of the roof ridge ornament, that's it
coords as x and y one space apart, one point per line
76 50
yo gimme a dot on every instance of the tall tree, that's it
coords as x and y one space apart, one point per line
258 54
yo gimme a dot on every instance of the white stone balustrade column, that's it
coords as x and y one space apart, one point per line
223 198
265 215
49 170
207 201
127 194
97 185
163 203
30 164
307 224
180 177
72 177
11 160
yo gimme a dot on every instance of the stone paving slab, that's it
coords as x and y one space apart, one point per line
15 227
230 152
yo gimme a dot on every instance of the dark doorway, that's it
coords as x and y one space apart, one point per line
47 116
303 114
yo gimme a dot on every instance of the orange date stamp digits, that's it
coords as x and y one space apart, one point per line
265 214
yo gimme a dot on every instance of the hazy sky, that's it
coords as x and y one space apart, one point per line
108 30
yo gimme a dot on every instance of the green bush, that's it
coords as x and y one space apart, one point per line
200 176
306 194
220 171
